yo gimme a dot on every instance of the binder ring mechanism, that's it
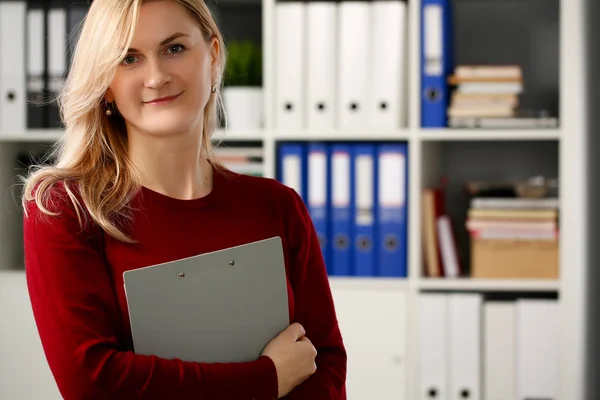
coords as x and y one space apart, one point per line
432 392
391 242
341 242
432 94
363 243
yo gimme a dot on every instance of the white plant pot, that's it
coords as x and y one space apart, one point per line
243 105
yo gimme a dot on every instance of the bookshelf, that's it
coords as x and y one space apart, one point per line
427 149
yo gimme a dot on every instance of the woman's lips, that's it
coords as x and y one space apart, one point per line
163 100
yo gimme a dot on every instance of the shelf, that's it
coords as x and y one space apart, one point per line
251 3
251 135
488 134
11 275
506 285
32 135
343 135
353 283
52 135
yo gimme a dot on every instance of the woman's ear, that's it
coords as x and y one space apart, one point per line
215 54
108 96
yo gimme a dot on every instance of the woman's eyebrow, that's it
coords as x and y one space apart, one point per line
165 41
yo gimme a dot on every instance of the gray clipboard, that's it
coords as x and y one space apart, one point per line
223 306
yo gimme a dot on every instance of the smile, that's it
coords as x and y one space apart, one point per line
163 100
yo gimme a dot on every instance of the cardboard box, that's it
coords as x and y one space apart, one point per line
514 259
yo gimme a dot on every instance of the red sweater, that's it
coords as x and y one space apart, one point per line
76 288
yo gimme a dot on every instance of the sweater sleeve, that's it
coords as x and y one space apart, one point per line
314 308
77 317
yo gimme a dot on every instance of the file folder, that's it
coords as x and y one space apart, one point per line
465 345
436 61
290 67
433 348
36 48
202 309
388 101
57 59
292 167
499 358
365 172
13 98
321 64
318 195
537 349
342 208
353 63
392 209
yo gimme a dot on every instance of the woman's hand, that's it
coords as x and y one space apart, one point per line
294 357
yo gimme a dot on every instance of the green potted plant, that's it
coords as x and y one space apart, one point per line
242 91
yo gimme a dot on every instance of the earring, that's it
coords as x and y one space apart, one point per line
214 89
109 108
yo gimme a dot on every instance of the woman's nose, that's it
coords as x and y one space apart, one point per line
157 74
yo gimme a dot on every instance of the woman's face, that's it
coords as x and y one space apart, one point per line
163 84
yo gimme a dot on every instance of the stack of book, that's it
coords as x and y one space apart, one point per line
485 91
513 238
487 96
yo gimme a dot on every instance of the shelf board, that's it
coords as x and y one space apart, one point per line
251 135
341 135
488 134
12 275
375 283
506 285
32 135
246 3
52 135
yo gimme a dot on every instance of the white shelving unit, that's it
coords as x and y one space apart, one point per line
424 165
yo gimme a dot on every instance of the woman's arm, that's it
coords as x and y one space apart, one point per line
77 317
314 308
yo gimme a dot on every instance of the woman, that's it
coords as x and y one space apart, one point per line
134 185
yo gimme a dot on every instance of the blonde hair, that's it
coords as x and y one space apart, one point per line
92 154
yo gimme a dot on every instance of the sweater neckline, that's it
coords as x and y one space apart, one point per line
200 202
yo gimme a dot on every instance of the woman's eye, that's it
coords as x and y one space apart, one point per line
129 60
176 48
